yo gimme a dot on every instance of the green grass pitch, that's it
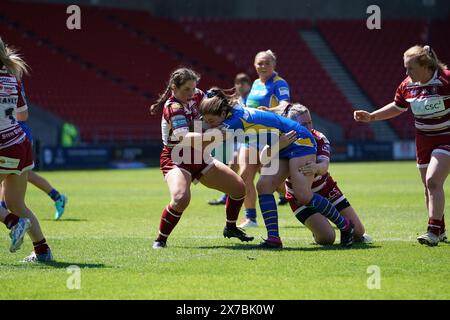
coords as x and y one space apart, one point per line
113 216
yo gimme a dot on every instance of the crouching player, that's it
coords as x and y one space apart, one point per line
324 185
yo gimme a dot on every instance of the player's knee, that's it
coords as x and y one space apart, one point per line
180 200
303 197
265 186
17 208
325 238
238 190
434 183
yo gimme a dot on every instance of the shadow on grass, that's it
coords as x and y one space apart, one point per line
252 247
58 265
63 220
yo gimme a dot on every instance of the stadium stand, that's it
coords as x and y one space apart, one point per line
110 88
379 72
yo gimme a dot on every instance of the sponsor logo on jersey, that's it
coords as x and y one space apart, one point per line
11 100
427 106
179 121
284 91
259 92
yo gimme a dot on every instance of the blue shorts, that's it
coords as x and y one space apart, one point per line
302 147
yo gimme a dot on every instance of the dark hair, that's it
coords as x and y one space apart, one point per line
177 78
242 78
216 102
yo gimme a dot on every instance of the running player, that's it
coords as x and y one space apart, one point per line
426 91
16 159
37 180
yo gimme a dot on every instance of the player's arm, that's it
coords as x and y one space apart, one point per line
389 111
199 141
22 108
279 109
269 152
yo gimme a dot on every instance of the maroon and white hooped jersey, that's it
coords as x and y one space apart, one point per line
12 100
429 102
323 153
179 118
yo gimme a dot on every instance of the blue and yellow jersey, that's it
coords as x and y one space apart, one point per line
254 121
268 94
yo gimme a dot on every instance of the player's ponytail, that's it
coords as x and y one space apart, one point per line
12 61
425 56
216 102
177 79
156 107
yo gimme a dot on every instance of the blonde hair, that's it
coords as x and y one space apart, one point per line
12 61
296 110
425 56
267 53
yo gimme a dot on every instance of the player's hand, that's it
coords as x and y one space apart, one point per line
362 116
287 138
263 108
309 169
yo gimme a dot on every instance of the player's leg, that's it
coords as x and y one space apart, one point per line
436 174
179 182
43 184
18 226
15 189
266 186
281 192
321 229
221 177
248 173
302 190
350 214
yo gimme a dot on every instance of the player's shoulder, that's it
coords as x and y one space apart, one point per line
444 76
319 136
277 80
198 94
405 83
172 106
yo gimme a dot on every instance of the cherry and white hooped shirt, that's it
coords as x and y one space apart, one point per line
429 102
12 100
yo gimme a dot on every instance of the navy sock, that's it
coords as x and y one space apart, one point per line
270 214
54 194
326 208
250 214
3 204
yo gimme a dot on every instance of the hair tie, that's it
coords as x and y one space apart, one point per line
211 93
428 49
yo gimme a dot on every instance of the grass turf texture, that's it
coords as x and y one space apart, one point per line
113 216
